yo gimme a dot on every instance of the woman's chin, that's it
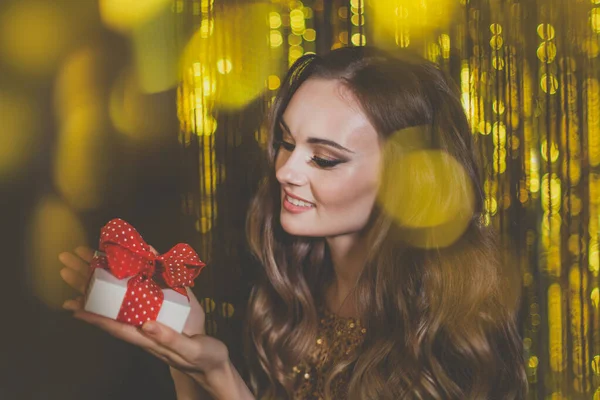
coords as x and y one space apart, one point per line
298 230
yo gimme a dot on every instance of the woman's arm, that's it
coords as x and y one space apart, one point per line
227 384
186 387
194 356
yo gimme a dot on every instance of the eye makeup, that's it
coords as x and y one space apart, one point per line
319 161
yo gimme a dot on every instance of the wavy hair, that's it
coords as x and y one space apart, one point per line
438 323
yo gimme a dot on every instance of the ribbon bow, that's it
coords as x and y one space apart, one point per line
126 254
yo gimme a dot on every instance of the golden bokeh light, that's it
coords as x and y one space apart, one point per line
224 66
156 54
142 117
79 83
294 40
240 70
274 20
425 15
545 31
226 310
126 15
34 35
546 52
551 193
208 304
554 153
359 39
205 124
273 82
53 228
434 201
595 20
310 35
275 39
555 321
533 362
19 140
549 83
83 163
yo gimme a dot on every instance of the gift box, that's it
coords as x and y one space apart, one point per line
132 284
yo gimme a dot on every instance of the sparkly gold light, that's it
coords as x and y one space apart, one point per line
359 39
555 321
310 35
274 82
549 83
545 31
595 20
274 20
275 38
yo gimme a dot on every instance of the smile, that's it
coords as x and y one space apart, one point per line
298 203
296 206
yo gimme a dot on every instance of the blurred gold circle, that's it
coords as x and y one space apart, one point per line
549 83
208 304
137 115
274 20
533 362
83 163
19 137
227 310
273 82
595 19
54 228
545 31
595 297
34 35
359 39
423 15
125 15
546 52
496 42
427 192
275 38
496 29
310 35
241 78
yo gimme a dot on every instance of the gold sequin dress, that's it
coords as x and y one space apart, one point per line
337 337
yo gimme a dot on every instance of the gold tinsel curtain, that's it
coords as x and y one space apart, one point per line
529 77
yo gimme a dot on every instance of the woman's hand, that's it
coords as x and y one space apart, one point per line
202 357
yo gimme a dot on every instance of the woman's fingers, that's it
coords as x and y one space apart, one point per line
75 263
74 304
130 334
120 330
86 253
197 352
186 352
74 279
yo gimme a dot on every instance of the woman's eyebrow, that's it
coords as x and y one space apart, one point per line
314 140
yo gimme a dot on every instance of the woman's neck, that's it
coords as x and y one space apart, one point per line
348 256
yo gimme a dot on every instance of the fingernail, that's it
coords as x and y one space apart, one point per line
149 327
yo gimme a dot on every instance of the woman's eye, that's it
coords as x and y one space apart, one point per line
286 145
325 163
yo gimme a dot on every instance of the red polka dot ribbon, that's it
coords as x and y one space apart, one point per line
126 255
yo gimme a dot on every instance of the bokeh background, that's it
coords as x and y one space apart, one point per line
152 111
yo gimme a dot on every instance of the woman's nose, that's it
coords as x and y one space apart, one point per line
291 169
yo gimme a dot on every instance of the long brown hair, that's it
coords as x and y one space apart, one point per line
437 323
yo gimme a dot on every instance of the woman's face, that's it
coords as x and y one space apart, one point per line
328 162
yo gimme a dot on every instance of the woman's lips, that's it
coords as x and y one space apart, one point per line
299 207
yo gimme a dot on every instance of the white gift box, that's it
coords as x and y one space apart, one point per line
105 295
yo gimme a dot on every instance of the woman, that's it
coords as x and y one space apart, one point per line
353 302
